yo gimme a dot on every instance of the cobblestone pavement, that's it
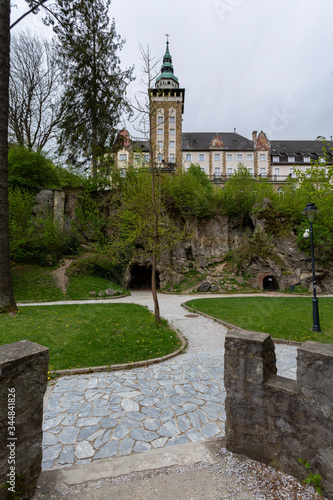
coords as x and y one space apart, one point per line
89 417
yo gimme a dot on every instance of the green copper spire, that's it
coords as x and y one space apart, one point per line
167 78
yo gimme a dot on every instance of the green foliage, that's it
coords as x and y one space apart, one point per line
241 192
31 169
34 239
97 265
189 193
312 479
316 185
134 222
260 244
89 222
290 201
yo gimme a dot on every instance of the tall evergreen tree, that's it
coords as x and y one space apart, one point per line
95 86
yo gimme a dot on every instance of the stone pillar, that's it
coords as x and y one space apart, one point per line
276 420
23 380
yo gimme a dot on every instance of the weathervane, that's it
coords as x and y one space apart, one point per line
167 38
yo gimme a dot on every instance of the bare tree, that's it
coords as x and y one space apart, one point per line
34 105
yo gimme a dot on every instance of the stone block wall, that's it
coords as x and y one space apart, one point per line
276 420
23 379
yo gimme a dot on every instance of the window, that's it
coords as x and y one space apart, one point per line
159 157
159 131
217 172
188 157
172 119
239 157
172 158
160 144
202 169
229 171
262 157
172 131
229 156
160 119
306 159
217 156
146 156
249 156
322 159
201 156
291 159
276 159
172 144
292 172
276 172
262 172
123 157
250 170
137 157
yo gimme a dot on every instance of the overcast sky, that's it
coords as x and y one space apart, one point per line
245 64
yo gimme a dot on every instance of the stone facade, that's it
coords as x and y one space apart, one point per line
23 379
276 420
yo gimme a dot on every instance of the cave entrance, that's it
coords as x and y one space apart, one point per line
141 278
270 283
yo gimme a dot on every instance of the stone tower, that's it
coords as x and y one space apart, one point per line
167 108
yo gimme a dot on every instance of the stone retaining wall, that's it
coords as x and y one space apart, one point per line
23 380
276 420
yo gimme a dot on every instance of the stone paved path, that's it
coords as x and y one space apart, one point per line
89 417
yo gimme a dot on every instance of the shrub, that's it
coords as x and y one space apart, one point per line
97 265
34 239
189 193
31 169
241 193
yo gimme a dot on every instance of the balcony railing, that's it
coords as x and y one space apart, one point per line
221 178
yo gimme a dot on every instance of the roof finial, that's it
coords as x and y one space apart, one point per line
167 37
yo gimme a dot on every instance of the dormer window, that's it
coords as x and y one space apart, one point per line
276 159
306 159
291 159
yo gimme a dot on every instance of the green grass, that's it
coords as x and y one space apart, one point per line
79 286
288 318
35 283
90 334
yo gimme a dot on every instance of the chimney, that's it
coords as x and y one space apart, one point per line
234 130
254 135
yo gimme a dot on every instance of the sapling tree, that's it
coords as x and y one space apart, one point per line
142 227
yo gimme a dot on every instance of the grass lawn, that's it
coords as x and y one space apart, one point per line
90 334
35 283
32 282
288 318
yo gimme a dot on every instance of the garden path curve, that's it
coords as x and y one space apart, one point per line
101 415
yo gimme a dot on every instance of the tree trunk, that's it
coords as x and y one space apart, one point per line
7 302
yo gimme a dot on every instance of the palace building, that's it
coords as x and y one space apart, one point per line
219 154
